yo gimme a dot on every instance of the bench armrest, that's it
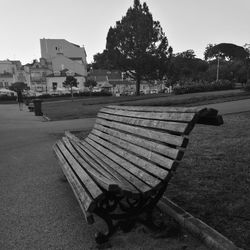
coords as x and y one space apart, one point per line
209 117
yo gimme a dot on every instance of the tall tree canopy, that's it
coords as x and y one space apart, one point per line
226 51
18 86
234 63
185 66
137 44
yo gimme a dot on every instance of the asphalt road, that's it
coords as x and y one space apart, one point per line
37 208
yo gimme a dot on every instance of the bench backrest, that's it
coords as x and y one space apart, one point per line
152 138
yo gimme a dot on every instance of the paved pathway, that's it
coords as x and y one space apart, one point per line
231 107
37 208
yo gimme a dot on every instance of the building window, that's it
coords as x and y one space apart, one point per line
59 48
54 85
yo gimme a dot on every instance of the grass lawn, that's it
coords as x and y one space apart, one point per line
213 180
88 107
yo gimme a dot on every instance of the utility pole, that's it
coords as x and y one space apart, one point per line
218 69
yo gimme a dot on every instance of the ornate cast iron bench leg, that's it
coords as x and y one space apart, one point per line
126 211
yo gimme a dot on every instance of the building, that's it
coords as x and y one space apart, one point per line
9 72
120 86
36 73
64 55
6 80
55 80
106 79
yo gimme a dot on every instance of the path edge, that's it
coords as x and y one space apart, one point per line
209 236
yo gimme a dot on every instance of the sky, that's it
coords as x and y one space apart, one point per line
188 24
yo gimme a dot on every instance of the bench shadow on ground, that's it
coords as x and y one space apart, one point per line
171 236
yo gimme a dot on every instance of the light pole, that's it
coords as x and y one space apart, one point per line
218 69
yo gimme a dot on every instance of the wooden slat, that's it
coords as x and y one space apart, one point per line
86 179
127 169
170 139
91 167
164 116
141 168
91 160
107 164
85 201
149 156
157 109
172 153
175 127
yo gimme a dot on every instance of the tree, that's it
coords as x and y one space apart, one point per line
184 66
90 83
18 86
101 61
228 53
247 62
137 44
70 82
189 54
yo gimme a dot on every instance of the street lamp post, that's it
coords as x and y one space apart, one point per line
218 69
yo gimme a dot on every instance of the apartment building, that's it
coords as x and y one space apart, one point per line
37 72
64 55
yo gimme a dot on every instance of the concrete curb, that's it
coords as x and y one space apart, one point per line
210 237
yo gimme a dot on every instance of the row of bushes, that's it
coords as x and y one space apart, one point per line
7 98
246 87
203 87
44 96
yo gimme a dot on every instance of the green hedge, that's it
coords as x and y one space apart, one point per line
45 96
203 87
7 98
247 86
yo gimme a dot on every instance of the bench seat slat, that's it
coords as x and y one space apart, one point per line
93 161
127 169
111 167
138 167
141 152
91 167
117 173
175 127
147 133
157 109
85 178
84 199
181 117
172 153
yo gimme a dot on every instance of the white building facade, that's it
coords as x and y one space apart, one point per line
64 55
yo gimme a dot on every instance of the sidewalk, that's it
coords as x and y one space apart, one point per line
38 209
230 107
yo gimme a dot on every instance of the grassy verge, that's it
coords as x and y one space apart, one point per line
213 180
84 108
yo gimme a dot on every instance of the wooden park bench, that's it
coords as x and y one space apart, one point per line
122 168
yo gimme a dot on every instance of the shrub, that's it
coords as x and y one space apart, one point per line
247 86
203 87
7 98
